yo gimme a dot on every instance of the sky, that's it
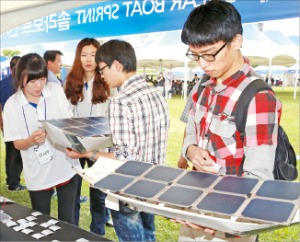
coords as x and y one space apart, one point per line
286 26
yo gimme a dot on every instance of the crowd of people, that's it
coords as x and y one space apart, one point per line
103 81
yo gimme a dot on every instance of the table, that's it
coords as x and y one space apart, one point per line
67 232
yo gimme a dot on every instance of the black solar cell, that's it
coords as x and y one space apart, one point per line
198 179
261 209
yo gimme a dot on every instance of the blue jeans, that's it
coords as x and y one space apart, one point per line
131 225
97 209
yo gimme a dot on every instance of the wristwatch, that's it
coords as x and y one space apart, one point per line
93 156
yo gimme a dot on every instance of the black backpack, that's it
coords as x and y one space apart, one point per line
285 164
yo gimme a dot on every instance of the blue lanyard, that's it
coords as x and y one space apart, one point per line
35 106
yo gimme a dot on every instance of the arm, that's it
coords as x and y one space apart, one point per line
36 138
92 155
199 157
182 162
261 133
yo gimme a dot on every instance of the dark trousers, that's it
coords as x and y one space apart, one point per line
13 165
97 205
66 197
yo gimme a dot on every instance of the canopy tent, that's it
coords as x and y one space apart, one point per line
15 13
58 22
65 20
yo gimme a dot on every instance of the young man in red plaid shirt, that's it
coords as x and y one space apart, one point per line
213 33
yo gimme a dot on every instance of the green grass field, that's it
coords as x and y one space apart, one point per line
166 230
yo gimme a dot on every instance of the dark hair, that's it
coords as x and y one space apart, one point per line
12 64
14 60
32 66
118 50
75 78
212 22
50 55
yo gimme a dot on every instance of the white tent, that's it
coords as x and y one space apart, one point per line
15 13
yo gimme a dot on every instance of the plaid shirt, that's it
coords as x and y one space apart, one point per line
215 125
139 122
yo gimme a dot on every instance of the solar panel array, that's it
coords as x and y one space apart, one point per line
83 127
247 198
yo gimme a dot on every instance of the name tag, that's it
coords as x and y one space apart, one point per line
43 153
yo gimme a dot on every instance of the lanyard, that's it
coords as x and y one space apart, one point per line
45 107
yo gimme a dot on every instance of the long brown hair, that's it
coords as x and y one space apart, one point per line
75 79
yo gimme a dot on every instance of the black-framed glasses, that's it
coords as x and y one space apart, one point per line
101 69
206 57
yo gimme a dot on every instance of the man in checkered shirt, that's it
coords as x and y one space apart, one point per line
213 33
139 123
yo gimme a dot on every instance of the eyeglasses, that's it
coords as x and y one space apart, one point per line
101 69
206 57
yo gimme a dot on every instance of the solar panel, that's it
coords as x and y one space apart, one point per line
181 196
81 134
78 131
57 123
103 127
221 203
261 209
113 182
163 173
198 179
282 190
133 168
250 198
236 185
144 189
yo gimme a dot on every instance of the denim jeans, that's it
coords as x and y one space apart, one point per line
97 209
98 212
131 225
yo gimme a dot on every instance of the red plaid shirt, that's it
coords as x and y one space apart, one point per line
215 124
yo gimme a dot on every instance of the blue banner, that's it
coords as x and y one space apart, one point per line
116 18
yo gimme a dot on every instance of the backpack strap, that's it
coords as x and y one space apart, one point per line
244 100
205 78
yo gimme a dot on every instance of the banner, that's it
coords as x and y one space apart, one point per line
116 18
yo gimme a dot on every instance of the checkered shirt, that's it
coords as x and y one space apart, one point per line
215 125
139 122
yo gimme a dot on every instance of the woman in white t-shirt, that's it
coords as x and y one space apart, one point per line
89 96
45 165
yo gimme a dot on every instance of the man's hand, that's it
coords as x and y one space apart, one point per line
201 159
73 154
182 163
194 226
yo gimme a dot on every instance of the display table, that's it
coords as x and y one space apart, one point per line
50 228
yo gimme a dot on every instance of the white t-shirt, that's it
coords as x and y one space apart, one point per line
85 108
21 119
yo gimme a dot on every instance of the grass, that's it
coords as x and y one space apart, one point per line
166 230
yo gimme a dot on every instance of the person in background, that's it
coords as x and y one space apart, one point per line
168 85
54 65
88 95
139 131
45 166
13 159
160 83
214 34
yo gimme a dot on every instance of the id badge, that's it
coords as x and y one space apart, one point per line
43 153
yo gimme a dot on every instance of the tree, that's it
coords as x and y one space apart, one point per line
10 53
